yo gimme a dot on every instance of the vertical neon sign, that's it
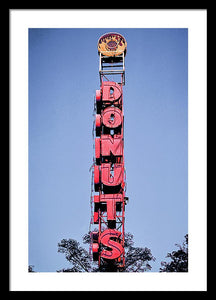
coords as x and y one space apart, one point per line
109 171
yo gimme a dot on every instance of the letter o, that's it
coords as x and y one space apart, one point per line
112 117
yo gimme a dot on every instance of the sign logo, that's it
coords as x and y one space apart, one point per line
112 44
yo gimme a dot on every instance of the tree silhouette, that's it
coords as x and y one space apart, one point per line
31 268
137 259
179 259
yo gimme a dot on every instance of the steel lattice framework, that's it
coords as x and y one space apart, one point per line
108 198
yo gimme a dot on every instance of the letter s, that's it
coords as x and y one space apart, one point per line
106 240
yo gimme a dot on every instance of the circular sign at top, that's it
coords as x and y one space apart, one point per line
112 44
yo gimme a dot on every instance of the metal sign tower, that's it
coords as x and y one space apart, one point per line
108 197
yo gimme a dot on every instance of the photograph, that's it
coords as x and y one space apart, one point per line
114 101
108 150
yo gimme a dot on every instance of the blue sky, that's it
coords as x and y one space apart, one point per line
63 77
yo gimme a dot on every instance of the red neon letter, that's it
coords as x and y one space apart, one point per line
107 240
112 177
111 200
111 91
112 117
97 148
111 144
